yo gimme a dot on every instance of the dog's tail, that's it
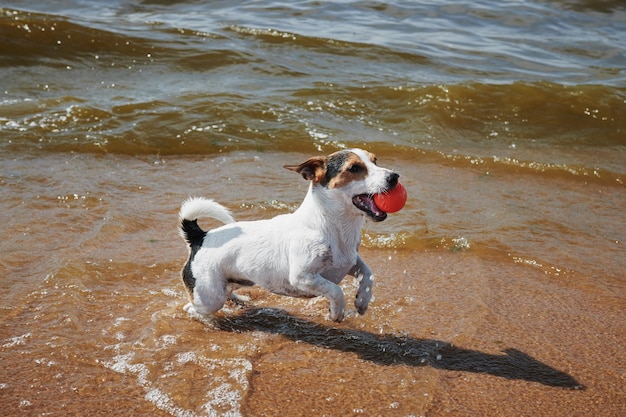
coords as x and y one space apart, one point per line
194 208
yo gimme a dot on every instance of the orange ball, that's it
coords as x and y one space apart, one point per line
392 200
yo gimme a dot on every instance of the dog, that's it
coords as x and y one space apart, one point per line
306 253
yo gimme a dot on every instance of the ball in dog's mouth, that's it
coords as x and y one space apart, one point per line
393 200
365 203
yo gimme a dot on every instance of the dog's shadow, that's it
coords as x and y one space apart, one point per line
397 350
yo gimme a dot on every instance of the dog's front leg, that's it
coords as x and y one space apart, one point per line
315 284
364 294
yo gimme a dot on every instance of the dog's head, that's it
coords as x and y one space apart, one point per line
352 175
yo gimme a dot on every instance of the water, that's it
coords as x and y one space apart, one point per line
500 286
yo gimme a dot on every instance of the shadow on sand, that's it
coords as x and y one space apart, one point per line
398 350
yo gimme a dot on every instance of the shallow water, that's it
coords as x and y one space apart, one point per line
500 286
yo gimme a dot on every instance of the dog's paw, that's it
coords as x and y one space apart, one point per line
239 299
361 305
194 312
337 311
361 308
336 317
362 300
191 310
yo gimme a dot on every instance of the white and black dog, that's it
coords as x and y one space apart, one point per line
302 254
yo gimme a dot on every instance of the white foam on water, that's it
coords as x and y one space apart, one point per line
167 340
226 381
163 402
17 340
228 394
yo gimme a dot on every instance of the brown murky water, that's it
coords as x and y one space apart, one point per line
500 287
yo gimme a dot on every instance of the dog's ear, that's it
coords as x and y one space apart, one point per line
313 169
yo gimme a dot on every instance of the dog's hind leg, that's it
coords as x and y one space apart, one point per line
209 297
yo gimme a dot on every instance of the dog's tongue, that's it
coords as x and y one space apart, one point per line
366 202
369 200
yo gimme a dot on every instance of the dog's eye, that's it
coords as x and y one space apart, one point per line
355 168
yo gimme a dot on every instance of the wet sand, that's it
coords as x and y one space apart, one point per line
424 348
500 286
92 323
538 353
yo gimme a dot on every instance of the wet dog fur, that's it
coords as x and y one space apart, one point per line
306 253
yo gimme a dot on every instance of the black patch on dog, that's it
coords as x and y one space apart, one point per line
334 165
192 232
194 236
188 278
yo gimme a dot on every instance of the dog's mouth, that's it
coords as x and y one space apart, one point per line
365 203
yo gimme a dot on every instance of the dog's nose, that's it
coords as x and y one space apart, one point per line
392 179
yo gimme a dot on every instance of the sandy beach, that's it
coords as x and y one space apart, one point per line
500 287
424 348
450 332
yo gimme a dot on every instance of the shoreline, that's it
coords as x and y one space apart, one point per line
97 314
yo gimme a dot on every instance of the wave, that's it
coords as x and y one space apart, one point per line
331 46
33 38
532 128
154 88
